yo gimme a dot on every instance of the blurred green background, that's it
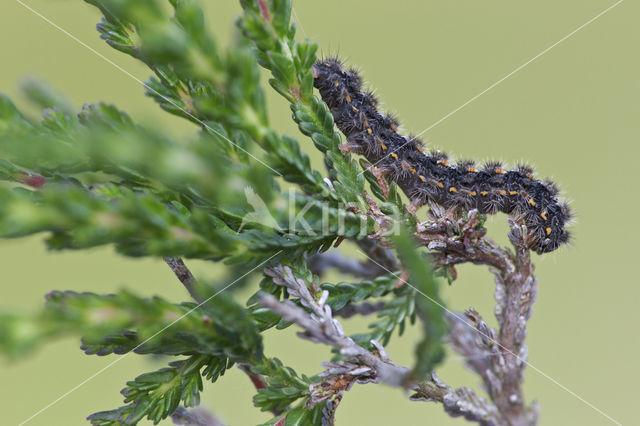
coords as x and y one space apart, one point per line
573 114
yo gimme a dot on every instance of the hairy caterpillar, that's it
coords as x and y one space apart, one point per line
425 176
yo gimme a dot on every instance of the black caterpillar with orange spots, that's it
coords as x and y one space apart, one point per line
427 176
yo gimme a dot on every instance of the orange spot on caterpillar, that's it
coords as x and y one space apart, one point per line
548 230
354 108
544 215
453 189
394 128
336 83
419 148
484 192
499 171
366 123
348 98
326 64
533 203
503 192
394 155
530 176
439 184
513 192
384 147
472 169
473 193
422 178
412 170
369 131
443 162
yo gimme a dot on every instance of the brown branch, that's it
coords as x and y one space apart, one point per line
364 366
478 346
515 294
258 382
383 257
319 263
456 240
320 327
194 417
458 402
188 280
184 275
364 308
499 358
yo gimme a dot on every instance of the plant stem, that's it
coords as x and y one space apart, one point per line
183 274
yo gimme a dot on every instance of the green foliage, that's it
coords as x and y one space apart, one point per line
44 96
157 395
429 307
194 80
234 190
340 295
301 415
283 386
290 63
344 293
105 140
124 322
138 223
394 315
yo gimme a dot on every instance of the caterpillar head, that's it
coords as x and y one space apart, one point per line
554 233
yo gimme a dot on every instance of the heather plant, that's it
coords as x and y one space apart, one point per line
239 193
